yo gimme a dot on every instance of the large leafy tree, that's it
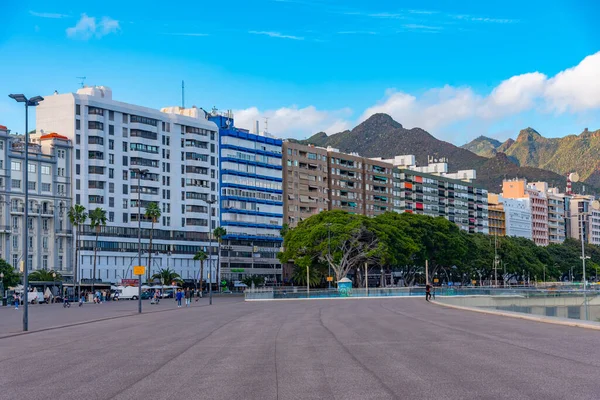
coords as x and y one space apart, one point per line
97 221
77 216
44 276
152 213
219 232
11 277
201 256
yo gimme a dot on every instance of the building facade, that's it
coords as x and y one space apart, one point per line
517 215
538 202
497 216
50 239
306 187
251 195
345 182
125 152
584 220
556 216
378 181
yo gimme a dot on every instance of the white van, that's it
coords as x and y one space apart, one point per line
127 292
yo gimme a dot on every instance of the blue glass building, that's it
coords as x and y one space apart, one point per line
251 196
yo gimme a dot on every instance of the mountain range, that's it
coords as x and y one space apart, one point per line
381 136
572 153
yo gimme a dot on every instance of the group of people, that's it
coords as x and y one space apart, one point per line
99 296
187 295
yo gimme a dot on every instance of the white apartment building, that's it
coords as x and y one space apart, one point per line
584 218
518 218
122 151
49 172
556 216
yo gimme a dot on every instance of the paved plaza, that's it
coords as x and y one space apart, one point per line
318 349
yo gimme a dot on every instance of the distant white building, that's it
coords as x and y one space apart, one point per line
434 166
518 218
173 152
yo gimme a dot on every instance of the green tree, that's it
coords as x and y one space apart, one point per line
11 277
97 221
77 216
42 275
153 213
166 276
219 232
256 279
201 256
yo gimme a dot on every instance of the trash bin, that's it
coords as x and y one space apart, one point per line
344 287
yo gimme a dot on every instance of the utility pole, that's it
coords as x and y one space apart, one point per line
426 272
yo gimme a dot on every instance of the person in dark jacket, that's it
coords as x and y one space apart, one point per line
178 297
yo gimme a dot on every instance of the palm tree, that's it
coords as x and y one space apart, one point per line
43 275
219 232
167 275
77 217
201 256
152 212
97 221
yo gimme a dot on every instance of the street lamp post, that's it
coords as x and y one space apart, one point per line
1 288
329 250
210 204
139 173
31 102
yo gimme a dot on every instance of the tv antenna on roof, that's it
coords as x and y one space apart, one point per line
82 80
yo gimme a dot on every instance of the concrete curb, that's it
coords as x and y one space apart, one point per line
338 298
578 324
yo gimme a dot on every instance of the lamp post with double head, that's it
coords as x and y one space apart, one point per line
210 204
139 172
31 102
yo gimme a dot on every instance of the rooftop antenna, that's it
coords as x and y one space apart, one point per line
266 124
182 94
82 80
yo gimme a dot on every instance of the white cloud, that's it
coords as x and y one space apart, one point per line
87 27
47 15
293 121
442 110
576 89
276 35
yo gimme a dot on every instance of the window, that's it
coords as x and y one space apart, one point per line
45 242
143 120
78 154
125 161
15 165
111 144
95 125
31 185
125 132
124 118
77 124
77 109
96 199
77 169
111 115
78 184
46 187
124 203
111 201
96 140
95 110
125 189
111 129
144 134
111 173
31 168
96 169
111 216
111 158
111 187
45 170
125 215
143 147
124 147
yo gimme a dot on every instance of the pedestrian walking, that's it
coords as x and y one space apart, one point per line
178 297
17 301
188 297
427 292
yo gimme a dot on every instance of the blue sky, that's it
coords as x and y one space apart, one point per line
456 68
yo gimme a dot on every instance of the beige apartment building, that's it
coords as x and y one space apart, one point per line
305 180
346 182
538 203
378 184
496 215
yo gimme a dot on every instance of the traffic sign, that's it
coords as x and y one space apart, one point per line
330 279
139 270
435 280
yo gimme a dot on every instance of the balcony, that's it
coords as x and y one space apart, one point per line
63 232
